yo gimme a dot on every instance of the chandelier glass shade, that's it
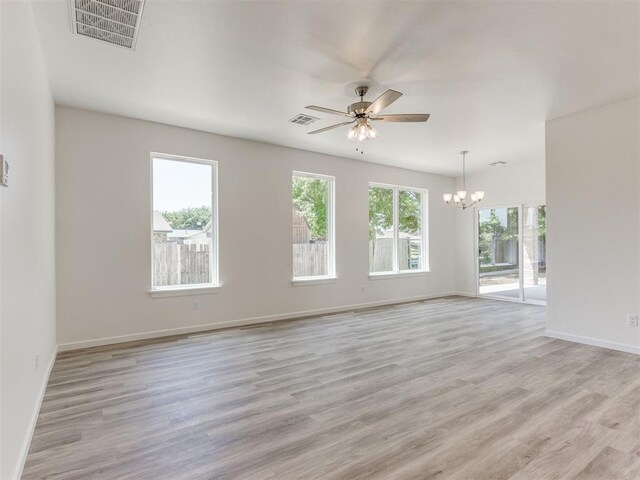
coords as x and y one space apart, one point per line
362 130
460 198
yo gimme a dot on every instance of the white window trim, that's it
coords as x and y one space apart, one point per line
189 289
402 273
317 280
424 205
331 233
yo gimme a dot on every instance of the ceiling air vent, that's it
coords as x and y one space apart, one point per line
302 119
113 21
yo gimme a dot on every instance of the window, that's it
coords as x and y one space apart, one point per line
397 229
184 223
313 226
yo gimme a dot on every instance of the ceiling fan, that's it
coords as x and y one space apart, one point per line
361 114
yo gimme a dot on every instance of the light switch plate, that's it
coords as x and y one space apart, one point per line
4 172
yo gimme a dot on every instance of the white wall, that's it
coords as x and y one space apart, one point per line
103 208
593 222
27 252
510 184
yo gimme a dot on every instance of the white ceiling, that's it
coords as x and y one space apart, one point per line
489 73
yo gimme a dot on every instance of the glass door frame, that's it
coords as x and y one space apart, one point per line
535 205
476 251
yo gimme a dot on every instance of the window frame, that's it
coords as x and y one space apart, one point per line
214 264
424 230
331 276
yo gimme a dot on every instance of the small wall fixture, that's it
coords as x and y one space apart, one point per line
460 197
4 172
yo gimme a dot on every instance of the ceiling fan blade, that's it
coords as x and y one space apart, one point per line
383 101
331 127
327 110
403 117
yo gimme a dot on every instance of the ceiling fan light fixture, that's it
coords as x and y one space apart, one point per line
362 131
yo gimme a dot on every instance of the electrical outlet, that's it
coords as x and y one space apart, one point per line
632 319
37 362
195 306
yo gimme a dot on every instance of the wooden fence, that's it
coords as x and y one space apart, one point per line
181 264
381 254
499 251
310 259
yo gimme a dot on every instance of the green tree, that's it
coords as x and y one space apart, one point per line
542 222
381 211
512 224
310 197
194 218
409 207
490 229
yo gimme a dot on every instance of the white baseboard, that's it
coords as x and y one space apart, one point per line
465 294
64 347
595 342
26 443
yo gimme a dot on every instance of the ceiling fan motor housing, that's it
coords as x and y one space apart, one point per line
358 108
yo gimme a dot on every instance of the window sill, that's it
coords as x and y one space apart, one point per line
301 282
387 275
183 291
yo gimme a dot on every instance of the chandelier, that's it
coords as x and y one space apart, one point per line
362 130
460 197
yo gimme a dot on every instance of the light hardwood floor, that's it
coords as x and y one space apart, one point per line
451 388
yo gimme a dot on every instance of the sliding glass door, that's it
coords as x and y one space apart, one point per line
511 253
499 256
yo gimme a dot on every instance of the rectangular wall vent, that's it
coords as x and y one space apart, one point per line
302 119
113 21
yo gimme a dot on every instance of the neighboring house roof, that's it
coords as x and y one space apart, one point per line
182 233
208 226
159 223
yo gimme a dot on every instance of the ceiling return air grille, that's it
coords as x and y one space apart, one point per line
302 119
112 21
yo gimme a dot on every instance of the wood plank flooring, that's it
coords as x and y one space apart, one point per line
453 388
